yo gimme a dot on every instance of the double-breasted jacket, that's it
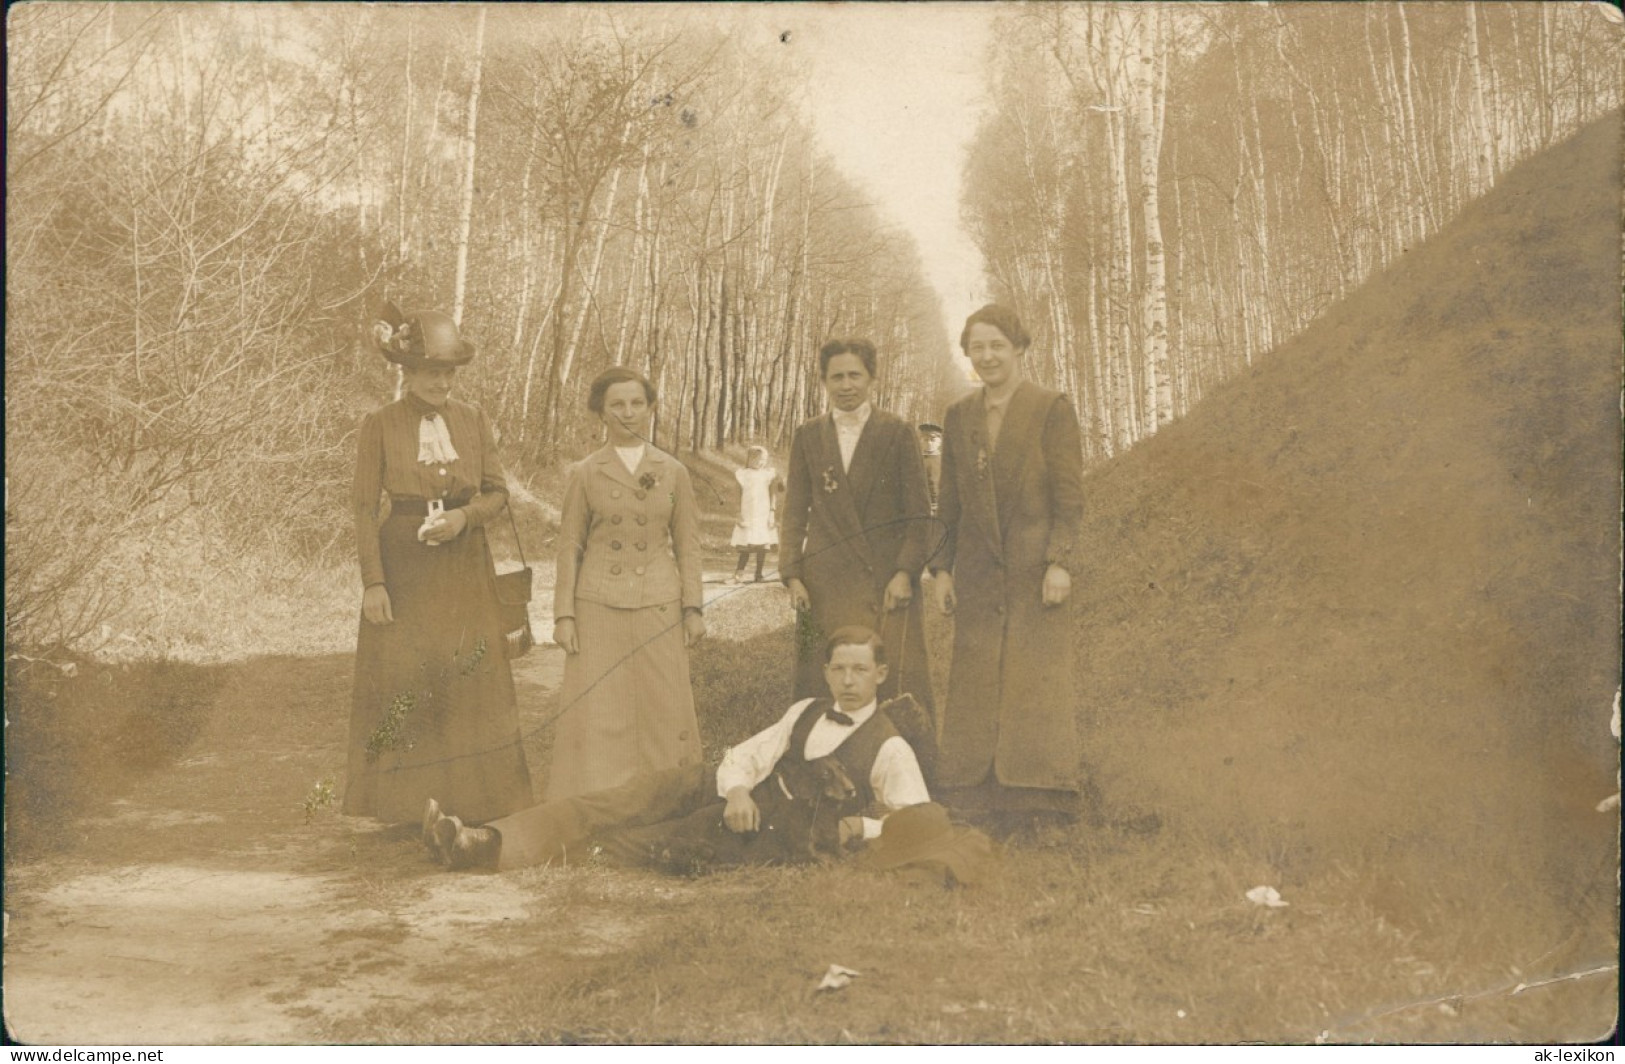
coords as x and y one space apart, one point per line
628 539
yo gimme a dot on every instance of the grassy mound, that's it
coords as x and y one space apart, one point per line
1365 600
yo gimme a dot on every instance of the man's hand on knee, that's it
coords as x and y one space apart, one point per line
741 815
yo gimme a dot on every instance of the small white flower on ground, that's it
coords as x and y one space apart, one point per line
1268 897
837 977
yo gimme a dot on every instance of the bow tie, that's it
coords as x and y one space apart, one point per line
831 713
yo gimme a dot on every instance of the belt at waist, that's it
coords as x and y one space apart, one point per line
411 506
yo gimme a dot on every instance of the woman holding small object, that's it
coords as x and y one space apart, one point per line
757 529
433 711
627 602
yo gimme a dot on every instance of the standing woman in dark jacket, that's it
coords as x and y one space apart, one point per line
433 710
1012 499
857 527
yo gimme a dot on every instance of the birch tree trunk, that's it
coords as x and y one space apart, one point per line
465 218
1484 140
1159 400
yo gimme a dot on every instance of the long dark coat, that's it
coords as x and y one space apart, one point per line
846 534
1009 513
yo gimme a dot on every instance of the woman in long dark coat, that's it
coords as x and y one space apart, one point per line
433 711
857 527
1012 499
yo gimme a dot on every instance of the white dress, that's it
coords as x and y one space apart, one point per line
756 527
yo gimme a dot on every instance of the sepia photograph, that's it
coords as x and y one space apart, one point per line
1025 522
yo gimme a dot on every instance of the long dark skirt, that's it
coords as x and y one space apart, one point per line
434 712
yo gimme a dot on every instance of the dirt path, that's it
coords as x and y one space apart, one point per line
200 907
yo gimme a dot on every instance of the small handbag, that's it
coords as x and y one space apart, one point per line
513 600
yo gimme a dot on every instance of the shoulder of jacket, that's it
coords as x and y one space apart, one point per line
581 468
1045 396
667 457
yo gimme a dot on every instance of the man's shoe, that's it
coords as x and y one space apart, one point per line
431 817
466 847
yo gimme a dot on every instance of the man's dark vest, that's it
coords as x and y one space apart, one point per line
857 751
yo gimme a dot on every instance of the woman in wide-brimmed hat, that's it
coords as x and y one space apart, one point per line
433 710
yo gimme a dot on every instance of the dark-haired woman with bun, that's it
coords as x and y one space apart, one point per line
1012 500
627 602
433 711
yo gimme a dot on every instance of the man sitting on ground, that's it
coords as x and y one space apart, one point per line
677 817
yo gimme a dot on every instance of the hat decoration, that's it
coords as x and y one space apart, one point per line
427 338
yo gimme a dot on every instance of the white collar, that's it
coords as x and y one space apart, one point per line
631 456
853 418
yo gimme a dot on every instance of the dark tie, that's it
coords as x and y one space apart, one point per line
837 716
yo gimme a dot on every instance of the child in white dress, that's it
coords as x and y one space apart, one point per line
757 529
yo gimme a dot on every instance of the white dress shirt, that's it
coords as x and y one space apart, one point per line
848 427
631 456
895 777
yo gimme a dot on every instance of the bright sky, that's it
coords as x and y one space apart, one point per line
896 93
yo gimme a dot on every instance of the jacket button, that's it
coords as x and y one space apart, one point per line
615 570
615 493
442 470
638 570
642 520
615 520
642 545
614 544
999 610
640 493
682 736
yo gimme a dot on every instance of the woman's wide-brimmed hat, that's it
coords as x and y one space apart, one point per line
425 338
921 838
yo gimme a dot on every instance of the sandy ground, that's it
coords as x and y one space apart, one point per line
176 917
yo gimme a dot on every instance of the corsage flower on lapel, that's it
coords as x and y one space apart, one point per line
831 485
648 481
